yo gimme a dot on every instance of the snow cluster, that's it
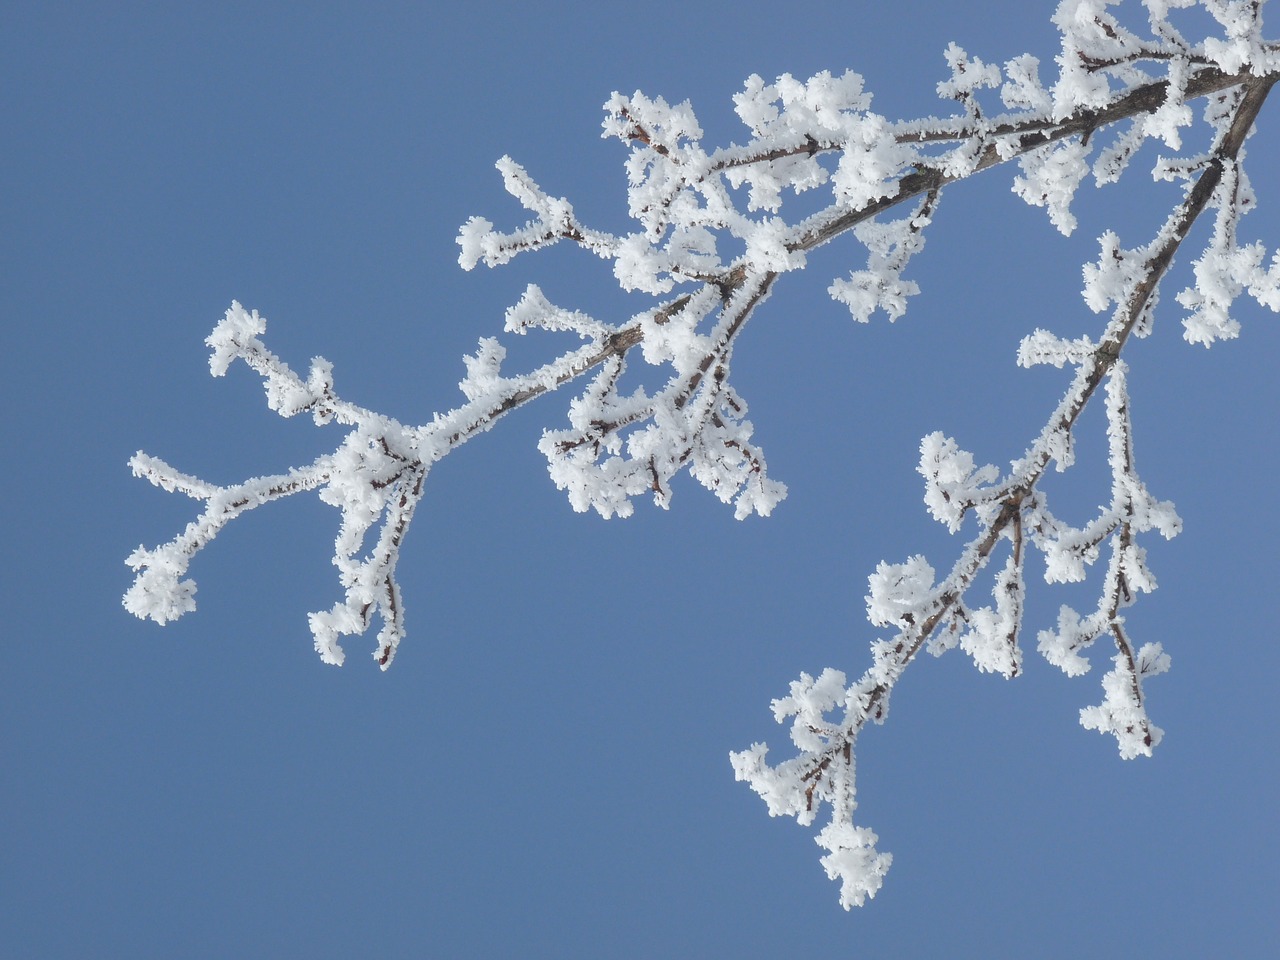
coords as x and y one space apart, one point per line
952 483
890 246
1050 178
897 591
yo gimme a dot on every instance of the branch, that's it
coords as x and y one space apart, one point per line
709 248
904 595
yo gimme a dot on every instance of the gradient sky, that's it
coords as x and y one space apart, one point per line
544 771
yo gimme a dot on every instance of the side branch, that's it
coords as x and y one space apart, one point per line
930 616
1014 139
1020 487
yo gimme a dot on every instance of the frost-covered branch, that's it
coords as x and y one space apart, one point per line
935 616
712 239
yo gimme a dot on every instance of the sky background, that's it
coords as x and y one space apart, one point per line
544 771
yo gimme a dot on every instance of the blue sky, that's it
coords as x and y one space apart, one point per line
544 771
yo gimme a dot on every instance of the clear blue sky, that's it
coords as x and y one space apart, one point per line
544 771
